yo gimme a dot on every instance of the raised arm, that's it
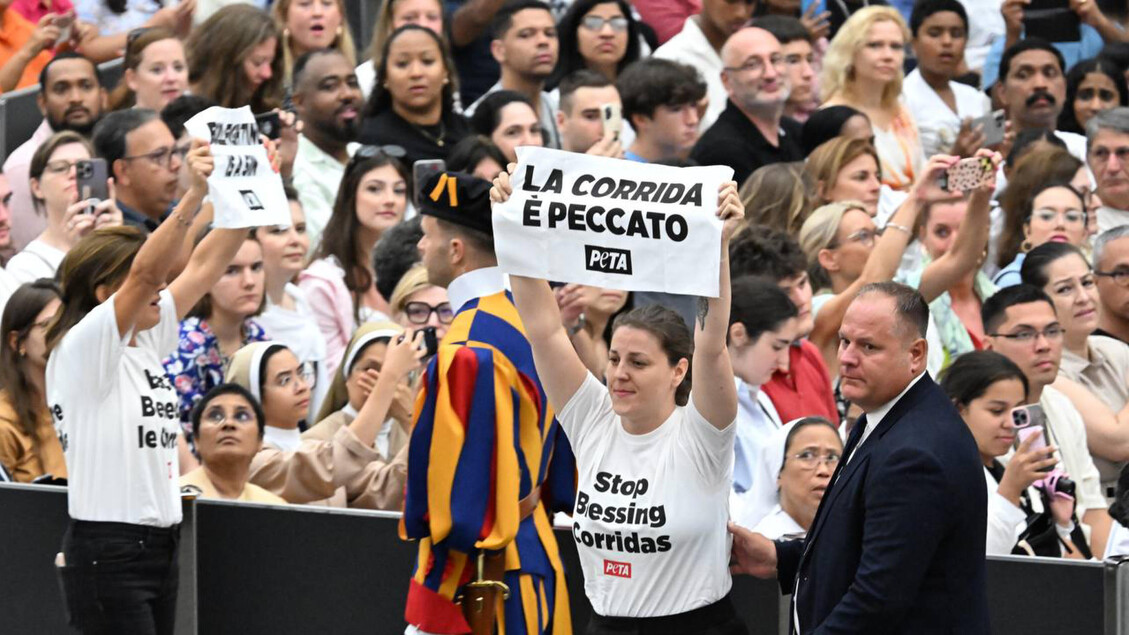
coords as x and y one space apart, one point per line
151 266
471 20
402 357
558 365
964 256
714 391
1107 433
883 261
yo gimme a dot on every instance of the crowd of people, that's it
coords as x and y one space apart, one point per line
145 351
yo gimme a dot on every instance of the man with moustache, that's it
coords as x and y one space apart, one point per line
897 544
1033 90
699 45
71 97
328 100
1107 145
525 46
143 158
752 131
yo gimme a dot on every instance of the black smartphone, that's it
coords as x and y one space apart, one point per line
91 175
430 340
1051 20
269 124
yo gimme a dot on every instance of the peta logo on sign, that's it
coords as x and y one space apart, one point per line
607 260
617 569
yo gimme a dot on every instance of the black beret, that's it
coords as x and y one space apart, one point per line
458 198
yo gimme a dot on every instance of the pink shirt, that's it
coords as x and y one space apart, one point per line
34 10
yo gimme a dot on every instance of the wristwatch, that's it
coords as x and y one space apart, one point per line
580 322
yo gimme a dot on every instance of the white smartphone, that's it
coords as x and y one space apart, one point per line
612 117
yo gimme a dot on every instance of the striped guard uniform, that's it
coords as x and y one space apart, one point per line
484 437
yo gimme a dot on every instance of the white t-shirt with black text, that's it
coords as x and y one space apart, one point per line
651 509
115 410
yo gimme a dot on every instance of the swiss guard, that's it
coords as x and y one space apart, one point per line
488 463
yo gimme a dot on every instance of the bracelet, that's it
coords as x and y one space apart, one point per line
903 228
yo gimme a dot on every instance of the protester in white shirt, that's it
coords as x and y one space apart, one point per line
288 317
116 410
763 325
654 457
812 450
54 192
942 107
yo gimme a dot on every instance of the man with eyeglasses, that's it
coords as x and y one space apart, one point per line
1020 323
1111 267
1107 153
525 46
752 131
328 101
144 160
699 45
71 97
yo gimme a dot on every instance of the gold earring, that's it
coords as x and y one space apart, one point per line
1026 246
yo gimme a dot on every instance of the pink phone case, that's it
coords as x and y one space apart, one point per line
1037 444
968 174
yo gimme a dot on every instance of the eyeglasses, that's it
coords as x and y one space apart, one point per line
810 460
596 23
217 417
365 153
420 312
301 376
1120 276
756 64
163 157
60 166
1029 336
1070 216
864 237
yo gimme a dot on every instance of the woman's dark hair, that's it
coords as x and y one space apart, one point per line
472 150
1029 204
795 428
217 48
673 335
19 318
101 259
569 58
824 125
339 239
1034 269
1028 138
381 98
759 305
488 114
219 391
973 373
1067 120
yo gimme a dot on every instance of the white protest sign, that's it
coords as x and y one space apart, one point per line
611 223
244 188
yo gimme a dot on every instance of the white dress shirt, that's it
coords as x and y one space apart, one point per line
475 284
937 124
875 417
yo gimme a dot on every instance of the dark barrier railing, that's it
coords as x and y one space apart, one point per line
248 569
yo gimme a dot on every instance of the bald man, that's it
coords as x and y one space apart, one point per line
752 131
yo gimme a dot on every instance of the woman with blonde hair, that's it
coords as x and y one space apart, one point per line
416 303
310 26
247 40
156 70
863 69
393 15
776 195
845 169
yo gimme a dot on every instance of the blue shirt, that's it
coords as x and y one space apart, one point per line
1073 52
1009 275
631 156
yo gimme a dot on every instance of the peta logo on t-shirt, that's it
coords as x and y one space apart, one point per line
617 569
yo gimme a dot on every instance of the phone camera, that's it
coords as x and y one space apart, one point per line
84 170
1020 418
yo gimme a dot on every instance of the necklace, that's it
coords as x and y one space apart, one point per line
436 139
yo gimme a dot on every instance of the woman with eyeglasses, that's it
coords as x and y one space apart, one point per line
227 429
599 35
412 104
381 484
1094 372
812 450
331 471
54 192
340 283
288 316
221 323
863 69
156 70
416 303
1092 86
29 447
1054 211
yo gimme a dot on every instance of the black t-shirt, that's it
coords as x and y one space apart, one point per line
735 141
419 142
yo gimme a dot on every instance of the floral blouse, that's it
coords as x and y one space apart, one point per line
197 365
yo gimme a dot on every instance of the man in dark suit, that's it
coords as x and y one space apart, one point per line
897 545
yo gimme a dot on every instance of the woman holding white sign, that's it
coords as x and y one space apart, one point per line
654 455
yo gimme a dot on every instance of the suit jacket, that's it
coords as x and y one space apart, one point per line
897 545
